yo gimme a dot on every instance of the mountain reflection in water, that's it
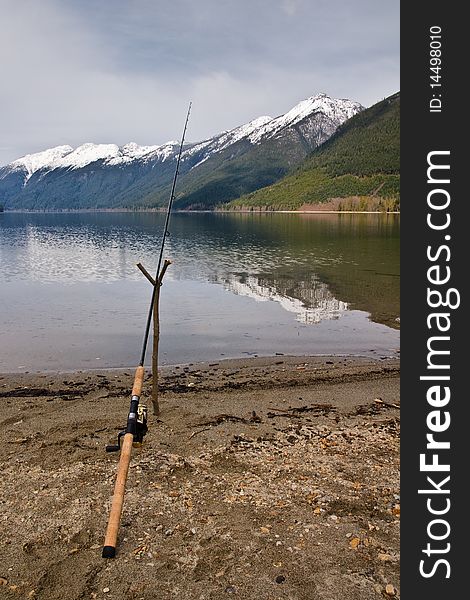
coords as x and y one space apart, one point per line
71 291
311 301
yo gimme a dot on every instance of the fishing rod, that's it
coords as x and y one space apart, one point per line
137 418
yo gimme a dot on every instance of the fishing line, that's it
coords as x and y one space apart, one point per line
165 232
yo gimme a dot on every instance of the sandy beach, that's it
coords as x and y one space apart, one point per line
261 479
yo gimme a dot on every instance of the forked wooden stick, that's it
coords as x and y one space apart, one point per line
156 330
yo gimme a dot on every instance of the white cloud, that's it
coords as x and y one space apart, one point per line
71 76
290 7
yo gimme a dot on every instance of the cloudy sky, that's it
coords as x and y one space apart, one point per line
114 71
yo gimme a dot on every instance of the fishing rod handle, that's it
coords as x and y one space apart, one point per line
138 381
109 548
110 541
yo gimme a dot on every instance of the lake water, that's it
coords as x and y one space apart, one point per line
239 285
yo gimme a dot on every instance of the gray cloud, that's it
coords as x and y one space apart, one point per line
124 70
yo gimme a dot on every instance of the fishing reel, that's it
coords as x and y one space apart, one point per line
138 430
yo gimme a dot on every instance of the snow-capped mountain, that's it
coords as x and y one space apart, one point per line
66 157
337 111
31 163
212 171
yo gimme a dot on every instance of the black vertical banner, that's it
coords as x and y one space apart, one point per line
435 258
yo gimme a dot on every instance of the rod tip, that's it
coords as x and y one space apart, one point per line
109 552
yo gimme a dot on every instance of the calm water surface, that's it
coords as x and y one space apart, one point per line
71 296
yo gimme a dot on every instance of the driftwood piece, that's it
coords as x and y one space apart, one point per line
296 412
389 404
200 431
223 418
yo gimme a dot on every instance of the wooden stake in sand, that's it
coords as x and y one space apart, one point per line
156 330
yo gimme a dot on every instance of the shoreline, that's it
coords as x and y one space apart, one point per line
262 479
248 361
255 210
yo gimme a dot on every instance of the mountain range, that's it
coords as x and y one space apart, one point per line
212 172
357 168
